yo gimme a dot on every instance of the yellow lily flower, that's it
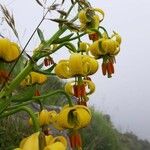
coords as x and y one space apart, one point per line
62 69
32 143
76 65
116 37
105 46
74 117
83 18
9 51
89 19
110 46
90 65
96 50
34 78
44 118
83 46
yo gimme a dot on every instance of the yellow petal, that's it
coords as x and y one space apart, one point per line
44 117
80 113
94 49
38 78
12 53
55 146
31 143
9 51
84 116
69 88
5 44
83 17
90 65
48 139
75 64
117 37
83 46
90 85
52 116
62 118
59 139
101 12
110 46
62 69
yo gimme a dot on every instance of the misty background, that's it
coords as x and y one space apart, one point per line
126 96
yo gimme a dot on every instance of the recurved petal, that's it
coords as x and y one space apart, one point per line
55 146
62 69
94 49
90 65
69 88
75 64
59 139
91 86
32 142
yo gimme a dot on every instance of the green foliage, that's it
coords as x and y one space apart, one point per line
130 141
52 84
100 135
12 130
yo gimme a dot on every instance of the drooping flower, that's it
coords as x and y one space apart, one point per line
77 65
34 78
44 117
106 46
50 143
9 51
89 19
75 117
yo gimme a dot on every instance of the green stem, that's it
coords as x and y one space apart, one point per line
100 27
76 37
53 93
29 111
68 45
55 36
14 83
35 98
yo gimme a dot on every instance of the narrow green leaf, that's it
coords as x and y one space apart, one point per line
24 95
40 34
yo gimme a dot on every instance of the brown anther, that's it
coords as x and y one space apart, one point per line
94 36
37 93
104 68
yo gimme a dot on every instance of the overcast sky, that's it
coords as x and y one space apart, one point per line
126 96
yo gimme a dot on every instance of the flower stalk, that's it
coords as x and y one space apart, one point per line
29 111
